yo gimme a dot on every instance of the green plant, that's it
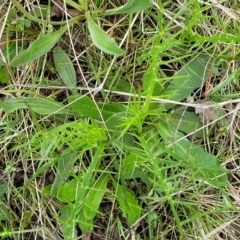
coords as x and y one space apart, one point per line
127 140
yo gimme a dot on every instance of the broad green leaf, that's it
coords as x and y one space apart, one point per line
127 203
190 77
65 69
185 121
101 39
132 161
132 6
10 52
4 211
64 164
84 107
193 155
114 122
39 105
65 212
108 110
67 192
94 197
121 85
38 48
3 189
86 225
4 75
133 167
206 163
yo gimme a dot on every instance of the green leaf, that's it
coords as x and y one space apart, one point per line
206 163
3 189
10 51
86 225
190 77
65 69
67 192
132 6
187 122
65 162
65 213
4 211
133 167
192 155
127 203
84 107
150 76
132 161
94 197
108 110
38 48
4 75
39 105
101 39
82 189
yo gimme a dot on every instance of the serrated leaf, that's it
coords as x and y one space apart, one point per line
94 197
132 6
127 203
101 39
38 48
65 69
190 77
39 105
